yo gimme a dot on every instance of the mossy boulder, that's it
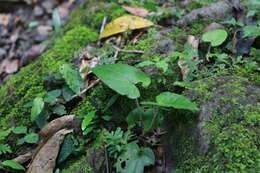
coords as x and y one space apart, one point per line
223 136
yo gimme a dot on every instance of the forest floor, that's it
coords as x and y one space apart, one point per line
129 86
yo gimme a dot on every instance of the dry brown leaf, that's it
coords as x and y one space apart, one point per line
9 66
137 11
45 160
194 42
4 19
55 125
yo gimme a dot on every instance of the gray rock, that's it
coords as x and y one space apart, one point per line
214 26
221 10
38 11
164 45
2 53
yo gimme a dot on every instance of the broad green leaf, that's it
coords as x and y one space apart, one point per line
134 159
13 165
20 130
50 99
177 101
20 141
122 78
31 138
233 22
41 120
59 109
215 37
54 93
72 78
37 107
87 120
66 149
145 63
67 93
251 31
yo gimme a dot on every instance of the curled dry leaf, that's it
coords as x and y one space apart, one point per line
194 42
55 125
137 11
88 61
45 160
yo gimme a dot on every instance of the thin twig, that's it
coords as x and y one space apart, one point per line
86 89
102 28
128 51
107 163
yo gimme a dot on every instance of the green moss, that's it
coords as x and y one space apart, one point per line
78 165
92 12
28 83
83 108
235 145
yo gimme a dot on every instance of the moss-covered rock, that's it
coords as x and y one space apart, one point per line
223 137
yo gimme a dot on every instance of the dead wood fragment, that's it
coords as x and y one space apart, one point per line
137 11
55 125
45 160
23 158
185 70
221 10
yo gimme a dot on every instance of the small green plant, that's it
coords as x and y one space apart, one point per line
251 31
87 123
253 7
128 155
29 137
68 83
4 148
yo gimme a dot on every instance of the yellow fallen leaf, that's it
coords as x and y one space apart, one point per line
125 23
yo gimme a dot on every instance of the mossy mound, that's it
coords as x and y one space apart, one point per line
224 136
28 83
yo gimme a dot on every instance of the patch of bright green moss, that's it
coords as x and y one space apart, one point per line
78 165
28 83
92 13
235 145
83 108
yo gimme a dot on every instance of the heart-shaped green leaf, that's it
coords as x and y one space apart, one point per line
177 101
122 78
215 37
